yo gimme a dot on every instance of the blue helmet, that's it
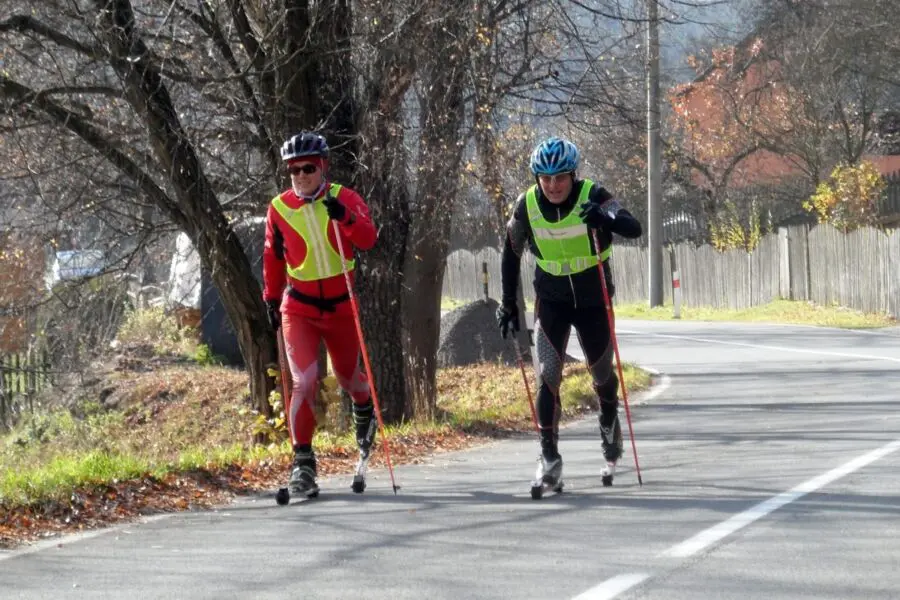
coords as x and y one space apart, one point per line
553 156
304 144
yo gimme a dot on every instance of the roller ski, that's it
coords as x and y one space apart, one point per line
548 477
303 479
366 428
611 434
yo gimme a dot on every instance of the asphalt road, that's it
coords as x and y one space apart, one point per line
770 459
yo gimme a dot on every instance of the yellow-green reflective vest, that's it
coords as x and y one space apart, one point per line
311 222
565 246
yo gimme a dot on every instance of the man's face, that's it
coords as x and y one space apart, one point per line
556 188
306 176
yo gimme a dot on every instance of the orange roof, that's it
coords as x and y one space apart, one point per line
715 136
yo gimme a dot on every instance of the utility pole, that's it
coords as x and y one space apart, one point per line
654 160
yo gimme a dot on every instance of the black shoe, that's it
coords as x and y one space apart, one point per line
303 473
549 470
611 433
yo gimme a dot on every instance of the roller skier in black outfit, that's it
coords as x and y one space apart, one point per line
552 219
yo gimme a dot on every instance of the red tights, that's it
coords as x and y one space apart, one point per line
302 336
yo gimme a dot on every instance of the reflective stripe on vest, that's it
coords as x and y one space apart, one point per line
311 222
565 246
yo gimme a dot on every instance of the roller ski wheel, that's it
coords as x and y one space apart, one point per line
538 489
283 495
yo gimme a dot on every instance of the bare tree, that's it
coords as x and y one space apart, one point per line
440 96
209 91
803 92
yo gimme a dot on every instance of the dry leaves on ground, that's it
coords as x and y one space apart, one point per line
127 500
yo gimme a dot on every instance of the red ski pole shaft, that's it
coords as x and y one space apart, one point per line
610 317
365 353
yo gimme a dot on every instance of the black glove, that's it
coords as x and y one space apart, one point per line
273 312
507 318
336 210
595 217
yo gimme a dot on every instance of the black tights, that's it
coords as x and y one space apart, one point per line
553 323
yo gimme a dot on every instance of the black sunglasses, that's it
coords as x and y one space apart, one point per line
308 169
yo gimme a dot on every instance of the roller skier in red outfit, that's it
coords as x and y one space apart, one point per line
306 295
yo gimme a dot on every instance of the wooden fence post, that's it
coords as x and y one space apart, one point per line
676 284
784 262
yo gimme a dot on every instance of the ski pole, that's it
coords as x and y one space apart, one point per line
286 383
365 353
610 317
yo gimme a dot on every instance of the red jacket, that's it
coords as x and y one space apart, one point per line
285 246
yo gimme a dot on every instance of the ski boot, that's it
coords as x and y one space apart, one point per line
548 476
303 474
611 434
303 478
366 428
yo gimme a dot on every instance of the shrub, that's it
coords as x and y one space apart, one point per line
155 327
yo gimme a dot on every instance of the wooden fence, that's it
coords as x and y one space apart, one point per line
22 375
859 270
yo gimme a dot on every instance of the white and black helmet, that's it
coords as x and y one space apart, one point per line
304 144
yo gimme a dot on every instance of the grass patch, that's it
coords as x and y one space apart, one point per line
452 303
186 419
157 423
488 397
779 311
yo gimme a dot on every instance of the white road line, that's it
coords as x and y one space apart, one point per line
616 585
767 347
710 536
613 587
661 386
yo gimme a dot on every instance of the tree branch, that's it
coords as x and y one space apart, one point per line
25 24
94 138
212 29
254 50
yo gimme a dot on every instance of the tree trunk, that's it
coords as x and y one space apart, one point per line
381 178
379 289
440 157
380 277
379 281
425 274
196 209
